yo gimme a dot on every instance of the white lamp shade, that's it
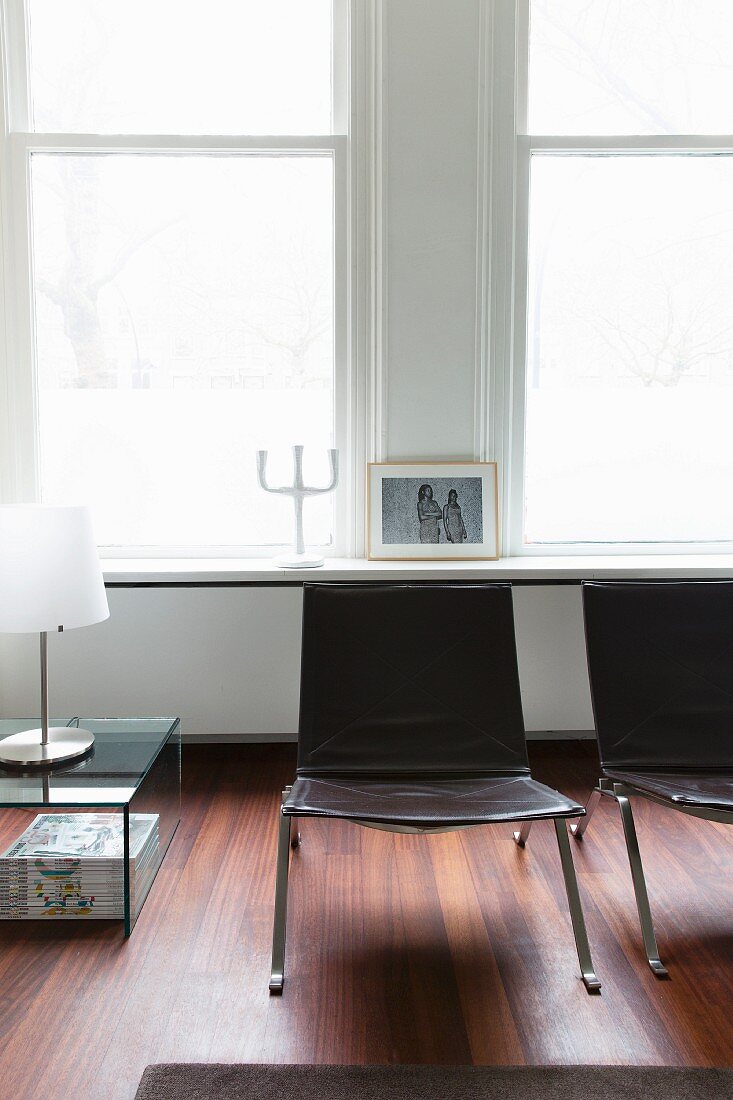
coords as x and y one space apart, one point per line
50 574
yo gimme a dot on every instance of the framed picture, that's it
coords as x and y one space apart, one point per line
435 511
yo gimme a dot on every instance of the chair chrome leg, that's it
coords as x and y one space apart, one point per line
637 875
277 975
576 909
522 833
295 835
578 827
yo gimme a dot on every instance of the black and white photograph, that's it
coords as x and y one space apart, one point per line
433 510
442 511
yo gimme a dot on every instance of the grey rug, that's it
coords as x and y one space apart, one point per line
267 1082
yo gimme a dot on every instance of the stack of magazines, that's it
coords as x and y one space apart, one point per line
71 865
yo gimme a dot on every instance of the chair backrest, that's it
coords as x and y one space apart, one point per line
410 679
660 660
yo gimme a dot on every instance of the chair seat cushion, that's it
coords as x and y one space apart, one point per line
428 803
703 790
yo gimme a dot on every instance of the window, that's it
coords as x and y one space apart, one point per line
181 216
624 272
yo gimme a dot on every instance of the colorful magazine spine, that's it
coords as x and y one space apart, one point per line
70 866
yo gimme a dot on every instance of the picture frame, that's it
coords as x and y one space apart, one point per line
432 511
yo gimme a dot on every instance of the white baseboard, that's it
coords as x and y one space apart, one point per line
238 738
286 738
561 735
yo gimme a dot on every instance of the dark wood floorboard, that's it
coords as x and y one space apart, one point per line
450 949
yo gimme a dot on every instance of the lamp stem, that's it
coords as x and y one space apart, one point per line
44 687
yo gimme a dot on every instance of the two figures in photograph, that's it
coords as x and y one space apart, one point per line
429 514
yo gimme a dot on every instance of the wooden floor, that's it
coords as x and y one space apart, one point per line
450 949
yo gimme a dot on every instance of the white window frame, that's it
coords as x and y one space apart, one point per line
349 147
510 154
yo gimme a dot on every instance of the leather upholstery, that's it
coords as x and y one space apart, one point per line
409 678
429 803
704 790
660 659
411 711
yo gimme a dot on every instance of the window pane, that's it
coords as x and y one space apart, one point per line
181 67
184 317
630 349
631 67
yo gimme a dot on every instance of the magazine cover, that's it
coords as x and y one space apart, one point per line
82 835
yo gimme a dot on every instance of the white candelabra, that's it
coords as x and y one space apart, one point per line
298 559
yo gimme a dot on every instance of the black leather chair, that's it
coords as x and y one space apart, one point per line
411 720
660 659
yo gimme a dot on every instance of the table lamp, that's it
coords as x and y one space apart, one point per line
50 579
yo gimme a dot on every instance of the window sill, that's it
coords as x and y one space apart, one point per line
524 570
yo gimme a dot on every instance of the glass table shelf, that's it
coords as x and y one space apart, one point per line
134 768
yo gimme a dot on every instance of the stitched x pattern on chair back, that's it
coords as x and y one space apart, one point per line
660 659
409 679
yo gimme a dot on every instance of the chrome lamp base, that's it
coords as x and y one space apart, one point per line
27 750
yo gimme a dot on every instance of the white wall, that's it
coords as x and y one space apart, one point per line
226 660
431 160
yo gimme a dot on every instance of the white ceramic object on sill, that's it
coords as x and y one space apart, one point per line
298 558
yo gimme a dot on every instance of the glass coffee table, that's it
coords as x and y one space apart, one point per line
134 768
